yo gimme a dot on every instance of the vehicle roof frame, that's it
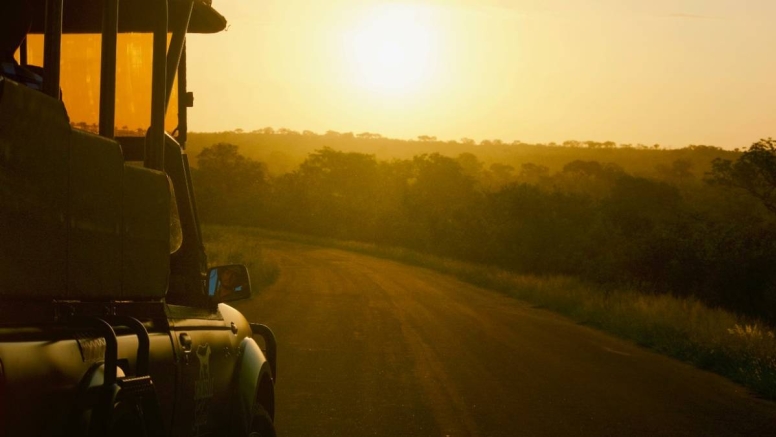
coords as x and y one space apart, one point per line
165 64
85 16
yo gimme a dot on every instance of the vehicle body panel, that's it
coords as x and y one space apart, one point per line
102 313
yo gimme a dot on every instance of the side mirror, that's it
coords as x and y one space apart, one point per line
228 283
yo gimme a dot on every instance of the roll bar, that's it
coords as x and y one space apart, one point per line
52 43
154 148
110 32
165 65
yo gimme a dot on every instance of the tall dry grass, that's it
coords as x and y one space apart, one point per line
227 245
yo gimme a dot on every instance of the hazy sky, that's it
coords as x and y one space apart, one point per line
674 72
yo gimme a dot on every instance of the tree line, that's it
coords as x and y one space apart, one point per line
283 150
709 235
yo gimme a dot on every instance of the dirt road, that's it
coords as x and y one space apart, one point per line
369 347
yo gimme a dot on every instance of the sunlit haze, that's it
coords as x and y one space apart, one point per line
673 72
391 51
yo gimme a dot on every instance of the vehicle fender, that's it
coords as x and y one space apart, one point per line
254 381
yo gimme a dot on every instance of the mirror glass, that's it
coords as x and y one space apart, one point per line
230 282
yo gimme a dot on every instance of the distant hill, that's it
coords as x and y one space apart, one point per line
283 150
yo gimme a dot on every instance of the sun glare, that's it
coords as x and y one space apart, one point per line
391 49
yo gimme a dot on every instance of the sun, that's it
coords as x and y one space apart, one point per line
392 49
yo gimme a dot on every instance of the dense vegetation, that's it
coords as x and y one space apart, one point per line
691 222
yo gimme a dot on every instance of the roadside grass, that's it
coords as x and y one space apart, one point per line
226 245
713 339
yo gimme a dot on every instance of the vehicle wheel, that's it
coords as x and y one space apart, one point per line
261 424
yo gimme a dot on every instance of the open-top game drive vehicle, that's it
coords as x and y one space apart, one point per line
110 323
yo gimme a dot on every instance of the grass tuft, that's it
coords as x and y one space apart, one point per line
226 245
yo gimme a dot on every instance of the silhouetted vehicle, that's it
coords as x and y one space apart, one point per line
109 321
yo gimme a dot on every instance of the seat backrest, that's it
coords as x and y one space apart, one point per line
34 156
75 221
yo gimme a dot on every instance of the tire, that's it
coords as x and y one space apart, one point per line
261 423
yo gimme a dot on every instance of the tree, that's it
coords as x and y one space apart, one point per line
589 177
587 168
230 186
471 165
679 170
533 174
333 193
501 174
286 131
754 172
440 202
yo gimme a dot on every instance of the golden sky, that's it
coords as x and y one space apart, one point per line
674 72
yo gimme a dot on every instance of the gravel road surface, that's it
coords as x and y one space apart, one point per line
370 347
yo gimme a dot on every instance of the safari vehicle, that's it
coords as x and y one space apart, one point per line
109 319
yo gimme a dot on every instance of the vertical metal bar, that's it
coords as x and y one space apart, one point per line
183 129
143 342
52 42
195 213
111 347
183 101
180 27
23 53
154 156
110 30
